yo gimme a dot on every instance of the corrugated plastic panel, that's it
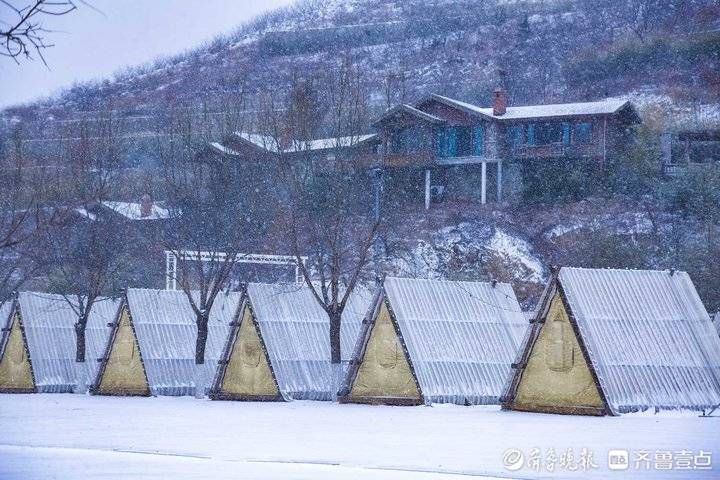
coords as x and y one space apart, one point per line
167 331
648 336
462 337
49 327
296 332
5 309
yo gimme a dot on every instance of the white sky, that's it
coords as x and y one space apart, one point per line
90 45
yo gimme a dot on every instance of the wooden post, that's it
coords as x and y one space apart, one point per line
499 181
483 184
427 189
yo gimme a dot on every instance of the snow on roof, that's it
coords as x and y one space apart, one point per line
410 110
263 141
716 321
132 211
86 213
166 331
295 330
269 143
219 147
328 143
49 329
648 337
601 107
462 337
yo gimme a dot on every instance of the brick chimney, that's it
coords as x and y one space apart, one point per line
146 205
499 102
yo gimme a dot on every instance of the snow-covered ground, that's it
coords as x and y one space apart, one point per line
80 437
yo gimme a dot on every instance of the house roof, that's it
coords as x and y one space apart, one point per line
462 337
268 143
648 336
716 321
86 213
602 107
222 149
49 322
295 330
329 143
410 110
166 331
264 142
132 211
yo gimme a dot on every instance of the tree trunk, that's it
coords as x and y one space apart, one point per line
202 326
335 320
199 380
335 354
80 339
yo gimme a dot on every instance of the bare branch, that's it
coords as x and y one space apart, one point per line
25 35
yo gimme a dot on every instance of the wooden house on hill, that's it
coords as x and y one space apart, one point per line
450 147
442 148
607 342
428 341
690 150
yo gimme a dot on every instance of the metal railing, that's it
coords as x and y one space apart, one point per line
171 259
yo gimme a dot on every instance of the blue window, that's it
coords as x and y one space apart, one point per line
531 134
451 142
583 133
566 133
447 142
478 137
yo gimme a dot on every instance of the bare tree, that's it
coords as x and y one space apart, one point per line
638 17
87 265
25 35
329 204
23 214
86 261
216 206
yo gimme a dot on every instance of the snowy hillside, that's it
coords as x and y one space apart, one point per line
453 47
543 51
